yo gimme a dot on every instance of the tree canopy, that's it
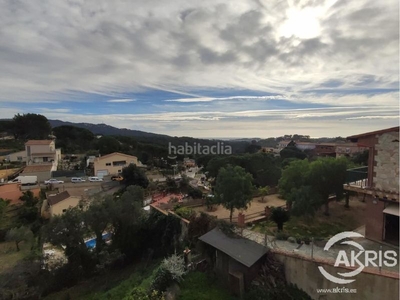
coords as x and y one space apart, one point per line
308 185
31 126
234 188
133 175
264 167
73 139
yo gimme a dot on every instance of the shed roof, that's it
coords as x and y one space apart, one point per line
240 249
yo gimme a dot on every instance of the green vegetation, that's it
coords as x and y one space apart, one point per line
30 126
234 189
279 216
10 257
197 286
185 212
308 227
264 167
308 185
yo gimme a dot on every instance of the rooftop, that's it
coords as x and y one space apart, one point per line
373 133
38 142
38 168
58 198
240 249
115 153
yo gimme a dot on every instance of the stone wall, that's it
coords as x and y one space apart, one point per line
386 163
369 285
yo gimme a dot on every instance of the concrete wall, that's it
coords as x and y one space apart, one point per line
386 162
374 216
305 274
58 208
14 157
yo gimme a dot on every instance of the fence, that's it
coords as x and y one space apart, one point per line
357 176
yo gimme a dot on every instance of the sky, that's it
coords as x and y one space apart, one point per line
207 68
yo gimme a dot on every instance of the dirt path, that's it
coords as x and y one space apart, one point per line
255 207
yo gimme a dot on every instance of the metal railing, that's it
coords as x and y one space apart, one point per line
357 176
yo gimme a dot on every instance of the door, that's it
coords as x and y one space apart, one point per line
102 173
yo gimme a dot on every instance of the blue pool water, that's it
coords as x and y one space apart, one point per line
92 243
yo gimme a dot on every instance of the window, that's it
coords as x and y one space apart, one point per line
64 210
108 164
119 163
19 158
119 171
45 159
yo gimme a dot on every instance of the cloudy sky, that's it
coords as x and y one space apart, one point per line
207 68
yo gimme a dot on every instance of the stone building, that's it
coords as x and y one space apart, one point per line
381 184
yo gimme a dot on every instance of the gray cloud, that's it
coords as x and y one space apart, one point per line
49 48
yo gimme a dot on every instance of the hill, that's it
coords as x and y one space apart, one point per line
104 129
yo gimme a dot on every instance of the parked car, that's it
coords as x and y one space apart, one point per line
53 181
77 179
117 178
94 179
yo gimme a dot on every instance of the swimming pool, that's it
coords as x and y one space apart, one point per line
92 242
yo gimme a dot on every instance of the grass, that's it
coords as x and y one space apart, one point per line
319 226
197 286
9 256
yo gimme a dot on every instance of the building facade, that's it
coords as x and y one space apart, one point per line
112 164
382 184
42 152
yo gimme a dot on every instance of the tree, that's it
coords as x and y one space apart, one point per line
3 205
18 235
133 175
134 193
68 230
305 202
73 139
127 215
195 193
361 158
108 144
234 188
312 183
263 191
98 217
31 126
293 177
291 151
279 216
29 211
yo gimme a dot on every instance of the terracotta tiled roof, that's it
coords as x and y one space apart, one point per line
374 132
37 168
38 142
58 198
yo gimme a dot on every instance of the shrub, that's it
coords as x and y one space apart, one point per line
171 270
281 236
185 212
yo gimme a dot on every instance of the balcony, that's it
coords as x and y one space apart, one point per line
357 178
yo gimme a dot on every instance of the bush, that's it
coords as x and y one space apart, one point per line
281 236
171 270
185 212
